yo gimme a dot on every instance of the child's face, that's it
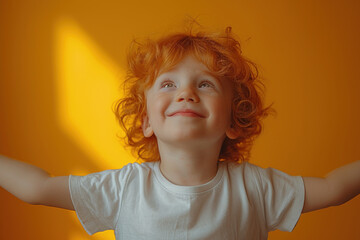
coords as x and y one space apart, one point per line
188 104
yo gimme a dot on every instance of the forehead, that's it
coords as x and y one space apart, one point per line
188 65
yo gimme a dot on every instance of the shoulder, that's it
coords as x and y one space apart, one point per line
244 169
254 171
262 178
135 171
128 169
118 176
246 175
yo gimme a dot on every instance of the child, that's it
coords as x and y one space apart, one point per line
192 111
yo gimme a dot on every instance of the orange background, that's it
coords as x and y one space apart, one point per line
61 63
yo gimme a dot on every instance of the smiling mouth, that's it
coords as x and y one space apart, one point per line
186 113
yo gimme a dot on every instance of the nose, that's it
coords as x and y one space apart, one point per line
187 95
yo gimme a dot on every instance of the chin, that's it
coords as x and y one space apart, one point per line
185 137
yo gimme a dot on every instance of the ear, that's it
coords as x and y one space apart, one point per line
231 133
147 129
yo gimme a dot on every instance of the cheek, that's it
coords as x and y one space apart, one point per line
223 110
156 107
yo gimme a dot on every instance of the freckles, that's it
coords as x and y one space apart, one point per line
220 105
160 105
223 109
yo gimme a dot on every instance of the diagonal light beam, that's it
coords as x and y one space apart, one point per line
87 85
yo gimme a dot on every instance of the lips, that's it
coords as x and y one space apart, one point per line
186 113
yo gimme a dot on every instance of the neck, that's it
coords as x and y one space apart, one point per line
191 164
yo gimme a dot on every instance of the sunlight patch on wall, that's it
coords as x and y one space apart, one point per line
87 85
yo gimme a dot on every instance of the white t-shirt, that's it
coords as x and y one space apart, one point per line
242 201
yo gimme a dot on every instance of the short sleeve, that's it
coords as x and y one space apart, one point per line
97 198
282 197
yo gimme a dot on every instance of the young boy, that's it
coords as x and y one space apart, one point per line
191 112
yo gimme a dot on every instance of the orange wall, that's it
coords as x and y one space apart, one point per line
61 64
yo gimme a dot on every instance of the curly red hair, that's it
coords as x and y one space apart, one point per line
221 53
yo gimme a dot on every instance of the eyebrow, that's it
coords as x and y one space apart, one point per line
168 74
209 73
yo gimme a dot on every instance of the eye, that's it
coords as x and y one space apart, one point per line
206 84
167 84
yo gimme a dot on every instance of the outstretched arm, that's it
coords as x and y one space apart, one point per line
33 185
338 187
